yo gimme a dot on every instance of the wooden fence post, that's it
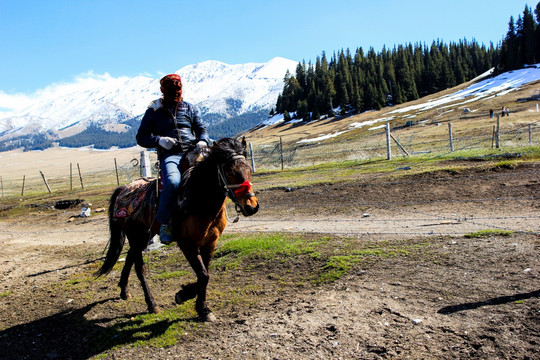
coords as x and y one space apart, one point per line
450 137
146 170
399 145
80 176
45 181
70 176
498 133
530 133
281 151
116 170
2 183
388 150
252 157
22 190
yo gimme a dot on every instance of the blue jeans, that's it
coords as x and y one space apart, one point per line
170 178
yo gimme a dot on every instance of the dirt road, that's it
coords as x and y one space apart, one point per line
456 297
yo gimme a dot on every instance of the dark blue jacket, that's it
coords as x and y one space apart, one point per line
187 127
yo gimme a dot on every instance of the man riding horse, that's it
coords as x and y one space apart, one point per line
172 125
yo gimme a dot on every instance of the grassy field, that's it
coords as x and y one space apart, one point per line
37 197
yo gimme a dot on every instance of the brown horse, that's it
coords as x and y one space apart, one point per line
224 172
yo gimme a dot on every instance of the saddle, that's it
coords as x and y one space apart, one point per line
132 196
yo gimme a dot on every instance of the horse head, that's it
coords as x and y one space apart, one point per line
235 174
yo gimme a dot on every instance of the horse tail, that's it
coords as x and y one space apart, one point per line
116 240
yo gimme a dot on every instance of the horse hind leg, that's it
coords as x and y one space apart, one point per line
140 268
137 236
124 277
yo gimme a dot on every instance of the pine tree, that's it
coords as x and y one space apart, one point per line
537 32
510 47
328 90
404 75
302 110
286 116
526 37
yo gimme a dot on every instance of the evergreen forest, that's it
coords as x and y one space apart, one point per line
357 81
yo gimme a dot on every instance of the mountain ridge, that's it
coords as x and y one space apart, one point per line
221 91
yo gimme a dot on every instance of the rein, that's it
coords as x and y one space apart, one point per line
235 191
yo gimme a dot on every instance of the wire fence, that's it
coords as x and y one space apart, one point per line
434 139
301 154
437 140
78 177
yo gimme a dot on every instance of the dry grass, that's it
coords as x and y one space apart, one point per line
430 132
477 122
97 168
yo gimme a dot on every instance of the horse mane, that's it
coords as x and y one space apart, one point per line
223 150
204 172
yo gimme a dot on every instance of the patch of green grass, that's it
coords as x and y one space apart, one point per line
347 170
235 248
79 281
6 293
337 256
339 265
150 330
336 267
488 233
172 274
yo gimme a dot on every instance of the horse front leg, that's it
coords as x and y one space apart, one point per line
197 289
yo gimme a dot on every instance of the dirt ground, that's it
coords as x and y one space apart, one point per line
456 297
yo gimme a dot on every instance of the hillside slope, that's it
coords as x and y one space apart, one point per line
467 102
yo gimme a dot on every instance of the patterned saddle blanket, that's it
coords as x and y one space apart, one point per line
131 197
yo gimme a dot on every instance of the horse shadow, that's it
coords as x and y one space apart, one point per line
70 335
495 301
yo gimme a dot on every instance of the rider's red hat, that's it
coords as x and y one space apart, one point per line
170 77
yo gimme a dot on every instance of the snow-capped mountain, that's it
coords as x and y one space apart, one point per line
210 84
217 88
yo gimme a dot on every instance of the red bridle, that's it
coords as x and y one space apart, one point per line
244 190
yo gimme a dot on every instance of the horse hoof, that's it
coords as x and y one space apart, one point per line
155 310
208 317
125 296
178 298
182 296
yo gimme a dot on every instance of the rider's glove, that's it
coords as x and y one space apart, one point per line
201 147
166 142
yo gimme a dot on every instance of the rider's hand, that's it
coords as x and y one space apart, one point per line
201 147
166 142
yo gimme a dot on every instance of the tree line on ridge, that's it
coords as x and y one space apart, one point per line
358 81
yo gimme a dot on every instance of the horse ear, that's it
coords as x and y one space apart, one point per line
244 144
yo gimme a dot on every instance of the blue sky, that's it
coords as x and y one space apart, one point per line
54 41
